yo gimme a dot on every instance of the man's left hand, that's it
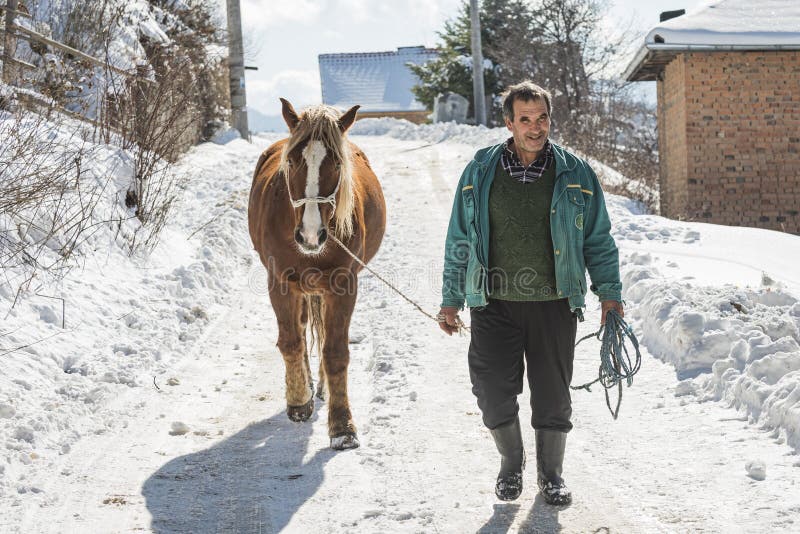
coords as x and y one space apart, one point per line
610 305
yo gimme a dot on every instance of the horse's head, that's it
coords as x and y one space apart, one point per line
316 164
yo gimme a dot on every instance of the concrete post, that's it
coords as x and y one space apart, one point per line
479 98
236 67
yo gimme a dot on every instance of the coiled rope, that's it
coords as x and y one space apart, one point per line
615 360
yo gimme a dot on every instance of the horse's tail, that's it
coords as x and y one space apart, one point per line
317 327
317 330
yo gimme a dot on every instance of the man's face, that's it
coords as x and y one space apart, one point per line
530 127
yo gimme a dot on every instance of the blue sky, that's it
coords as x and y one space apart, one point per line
285 36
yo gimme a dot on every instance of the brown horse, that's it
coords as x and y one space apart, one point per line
312 185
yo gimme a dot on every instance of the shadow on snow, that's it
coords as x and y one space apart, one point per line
542 518
253 481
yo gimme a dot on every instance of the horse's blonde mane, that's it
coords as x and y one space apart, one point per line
321 123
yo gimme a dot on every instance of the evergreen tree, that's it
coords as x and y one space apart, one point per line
503 23
554 43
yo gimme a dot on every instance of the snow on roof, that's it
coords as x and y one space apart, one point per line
378 81
734 22
720 25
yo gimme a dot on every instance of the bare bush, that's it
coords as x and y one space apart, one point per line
594 111
174 112
620 130
158 115
157 121
48 208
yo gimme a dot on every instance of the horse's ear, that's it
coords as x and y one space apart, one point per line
347 120
289 114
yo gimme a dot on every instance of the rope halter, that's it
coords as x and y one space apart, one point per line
330 199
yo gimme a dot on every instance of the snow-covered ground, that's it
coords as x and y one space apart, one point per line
160 405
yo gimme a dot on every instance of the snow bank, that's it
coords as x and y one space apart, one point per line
225 135
727 343
71 346
479 136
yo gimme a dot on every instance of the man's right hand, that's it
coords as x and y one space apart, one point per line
450 324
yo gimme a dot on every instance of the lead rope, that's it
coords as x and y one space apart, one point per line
613 368
460 324
615 361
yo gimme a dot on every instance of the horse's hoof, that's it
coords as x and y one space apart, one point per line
298 414
344 442
321 392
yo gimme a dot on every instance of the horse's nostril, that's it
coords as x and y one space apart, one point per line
298 236
322 235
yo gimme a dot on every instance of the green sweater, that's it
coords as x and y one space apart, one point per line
521 262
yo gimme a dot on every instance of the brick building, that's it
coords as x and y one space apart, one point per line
728 81
380 82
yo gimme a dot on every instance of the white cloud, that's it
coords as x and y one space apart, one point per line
332 35
357 11
266 13
300 87
423 13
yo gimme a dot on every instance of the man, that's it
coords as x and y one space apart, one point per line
528 220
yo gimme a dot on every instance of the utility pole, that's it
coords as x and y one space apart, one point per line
236 68
479 103
10 43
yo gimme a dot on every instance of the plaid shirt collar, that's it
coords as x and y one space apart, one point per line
517 170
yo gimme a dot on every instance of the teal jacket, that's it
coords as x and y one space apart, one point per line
579 225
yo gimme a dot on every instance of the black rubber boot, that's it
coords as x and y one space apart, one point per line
550 445
508 438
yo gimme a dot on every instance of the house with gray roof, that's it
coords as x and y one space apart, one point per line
380 82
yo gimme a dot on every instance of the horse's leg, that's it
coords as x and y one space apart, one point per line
335 358
288 307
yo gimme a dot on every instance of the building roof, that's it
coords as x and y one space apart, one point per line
717 26
378 81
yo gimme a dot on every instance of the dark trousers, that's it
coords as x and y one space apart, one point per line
505 336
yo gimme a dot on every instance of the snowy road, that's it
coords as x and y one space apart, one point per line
426 463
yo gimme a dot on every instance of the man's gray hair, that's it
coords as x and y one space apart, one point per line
524 91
